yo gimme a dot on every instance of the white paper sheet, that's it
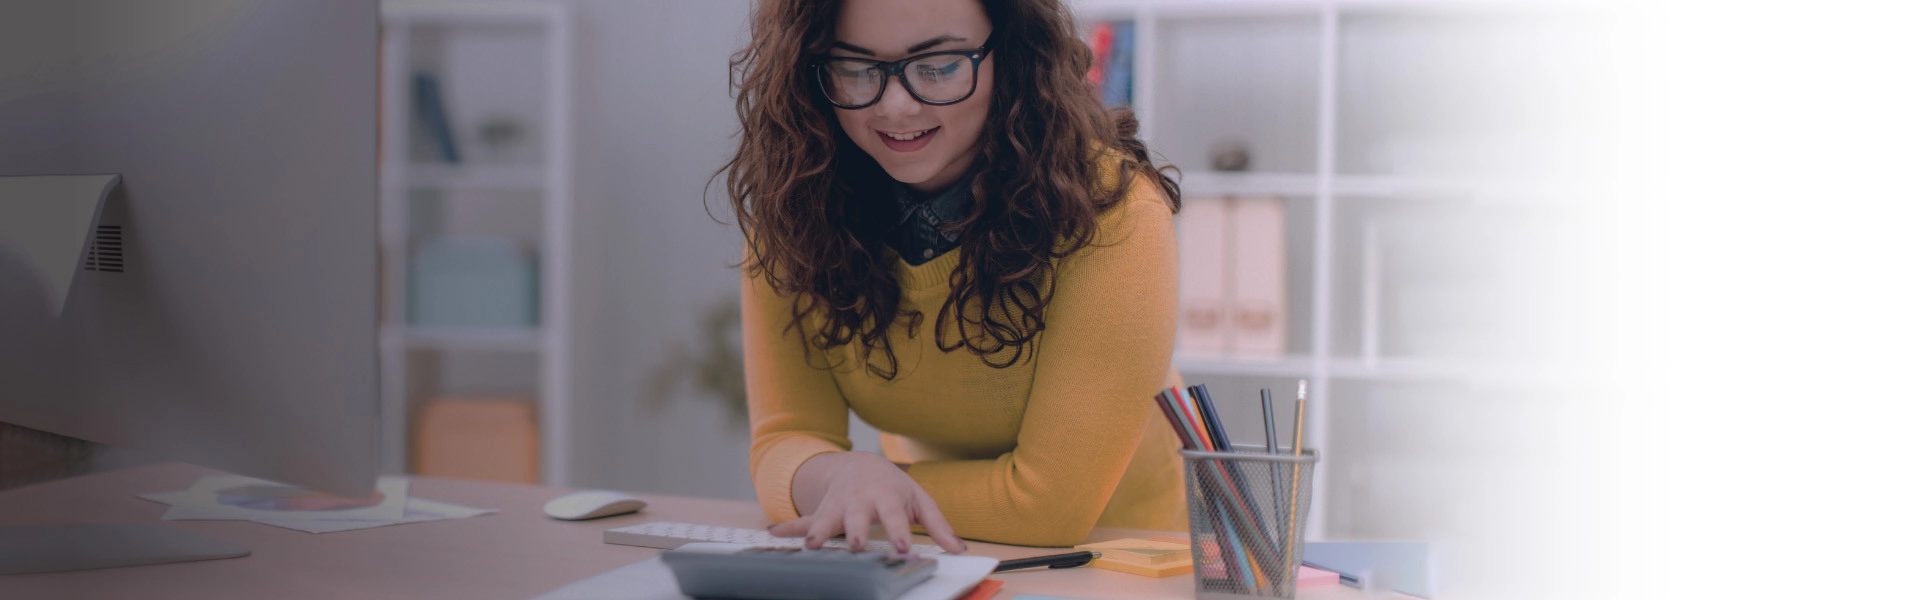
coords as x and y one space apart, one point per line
202 502
191 505
418 511
651 580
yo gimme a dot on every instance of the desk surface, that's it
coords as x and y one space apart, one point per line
517 553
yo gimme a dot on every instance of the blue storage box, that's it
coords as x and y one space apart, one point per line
471 281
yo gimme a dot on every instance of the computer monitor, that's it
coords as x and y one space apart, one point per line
238 329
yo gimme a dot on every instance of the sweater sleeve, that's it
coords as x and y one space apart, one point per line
797 411
1104 354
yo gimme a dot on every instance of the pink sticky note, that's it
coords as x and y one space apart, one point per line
1311 577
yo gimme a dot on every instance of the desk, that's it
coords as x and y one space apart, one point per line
518 553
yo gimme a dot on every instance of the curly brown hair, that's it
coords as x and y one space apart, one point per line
797 185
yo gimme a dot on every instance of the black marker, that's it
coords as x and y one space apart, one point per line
1056 561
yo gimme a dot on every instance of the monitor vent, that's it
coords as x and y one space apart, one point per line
105 253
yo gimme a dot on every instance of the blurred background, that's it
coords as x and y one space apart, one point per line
1561 279
1399 202
1394 201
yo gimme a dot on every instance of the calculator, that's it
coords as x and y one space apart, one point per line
797 574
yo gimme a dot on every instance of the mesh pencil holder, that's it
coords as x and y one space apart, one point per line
1248 513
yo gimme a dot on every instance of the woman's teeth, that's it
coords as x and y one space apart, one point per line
905 136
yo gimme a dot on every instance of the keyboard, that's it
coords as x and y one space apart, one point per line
668 535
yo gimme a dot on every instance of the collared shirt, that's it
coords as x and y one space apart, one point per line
915 224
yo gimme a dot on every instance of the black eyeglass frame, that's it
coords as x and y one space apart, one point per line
889 70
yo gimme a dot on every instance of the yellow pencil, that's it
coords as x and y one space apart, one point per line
1293 491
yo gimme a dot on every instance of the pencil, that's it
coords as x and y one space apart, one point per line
1218 429
1299 417
1173 419
1266 410
1192 413
1215 429
1293 483
1273 469
1239 519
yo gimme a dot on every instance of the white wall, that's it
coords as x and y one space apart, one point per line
654 120
35 102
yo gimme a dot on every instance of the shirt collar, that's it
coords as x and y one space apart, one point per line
945 205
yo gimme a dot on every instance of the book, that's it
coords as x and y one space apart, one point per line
1117 89
431 110
1100 41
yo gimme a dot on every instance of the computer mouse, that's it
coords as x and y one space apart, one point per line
592 504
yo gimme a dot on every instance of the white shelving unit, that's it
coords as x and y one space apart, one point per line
407 25
1307 165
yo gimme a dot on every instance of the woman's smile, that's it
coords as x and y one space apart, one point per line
908 141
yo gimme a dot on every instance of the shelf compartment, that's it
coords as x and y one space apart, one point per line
1216 183
479 176
1458 91
1219 81
509 339
1195 367
1417 276
1125 9
1245 260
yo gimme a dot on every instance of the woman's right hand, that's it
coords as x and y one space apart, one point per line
848 491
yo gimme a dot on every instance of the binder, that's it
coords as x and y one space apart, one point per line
1257 307
1233 291
1202 232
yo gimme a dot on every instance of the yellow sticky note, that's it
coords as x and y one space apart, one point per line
1140 552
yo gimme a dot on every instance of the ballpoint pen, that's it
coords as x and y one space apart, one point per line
1054 561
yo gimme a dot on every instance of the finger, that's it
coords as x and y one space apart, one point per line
825 527
899 527
795 528
928 513
859 520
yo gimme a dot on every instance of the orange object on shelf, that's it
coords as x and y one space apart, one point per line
491 439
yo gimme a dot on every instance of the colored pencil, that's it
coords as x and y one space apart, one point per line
1173 419
1235 517
1192 414
1215 429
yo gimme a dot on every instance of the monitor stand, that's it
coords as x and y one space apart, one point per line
48 221
50 548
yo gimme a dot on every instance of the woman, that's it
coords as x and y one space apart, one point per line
949 235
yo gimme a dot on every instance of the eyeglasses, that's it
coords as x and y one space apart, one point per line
935 78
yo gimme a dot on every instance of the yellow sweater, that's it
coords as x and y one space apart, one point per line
1034 454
